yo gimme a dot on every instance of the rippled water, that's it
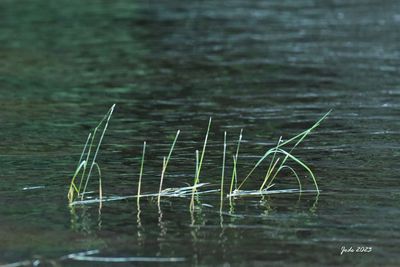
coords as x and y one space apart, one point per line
270 67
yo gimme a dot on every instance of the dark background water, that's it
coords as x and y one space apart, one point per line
270 67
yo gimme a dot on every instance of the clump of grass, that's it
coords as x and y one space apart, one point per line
273 170
280 158
75 191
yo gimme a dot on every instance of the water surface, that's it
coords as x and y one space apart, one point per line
269 67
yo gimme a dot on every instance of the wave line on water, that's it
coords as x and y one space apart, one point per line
87 256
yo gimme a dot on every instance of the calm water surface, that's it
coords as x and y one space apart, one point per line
270 67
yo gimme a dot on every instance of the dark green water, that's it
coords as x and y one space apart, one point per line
270 67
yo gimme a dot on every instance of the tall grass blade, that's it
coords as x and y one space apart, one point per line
80 160
161 181
223 172
84 148
270 166
108 116
203 152
141 173
235 158
269 173
100 182
233 174
294 173
171 149
72 187
196 180
165 165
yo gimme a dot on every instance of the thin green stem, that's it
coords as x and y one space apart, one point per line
234 178
161 180
223 173
303 165
100 182
233 174
268 174
270 168
195 181
141 173
98 147
203 152
172 149
165 164
80 160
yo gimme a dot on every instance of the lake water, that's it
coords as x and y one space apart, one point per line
272 68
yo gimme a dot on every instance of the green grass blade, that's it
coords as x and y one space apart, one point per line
268 174
72 187
100 181
87 159
300 136
306 132
161 181
233 174
294 173
98 146
165 164
141 173
303 165
171 149
234 178
196 180
223 172
84 148
203 152
270 167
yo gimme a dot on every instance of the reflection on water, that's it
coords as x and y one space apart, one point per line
269 67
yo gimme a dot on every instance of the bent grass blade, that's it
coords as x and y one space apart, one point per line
300 138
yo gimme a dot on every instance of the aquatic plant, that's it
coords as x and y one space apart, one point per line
80 172
279 158
223 173
235 158
141 173
165 165
199 164
288 155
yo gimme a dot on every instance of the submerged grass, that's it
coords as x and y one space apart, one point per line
279 158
